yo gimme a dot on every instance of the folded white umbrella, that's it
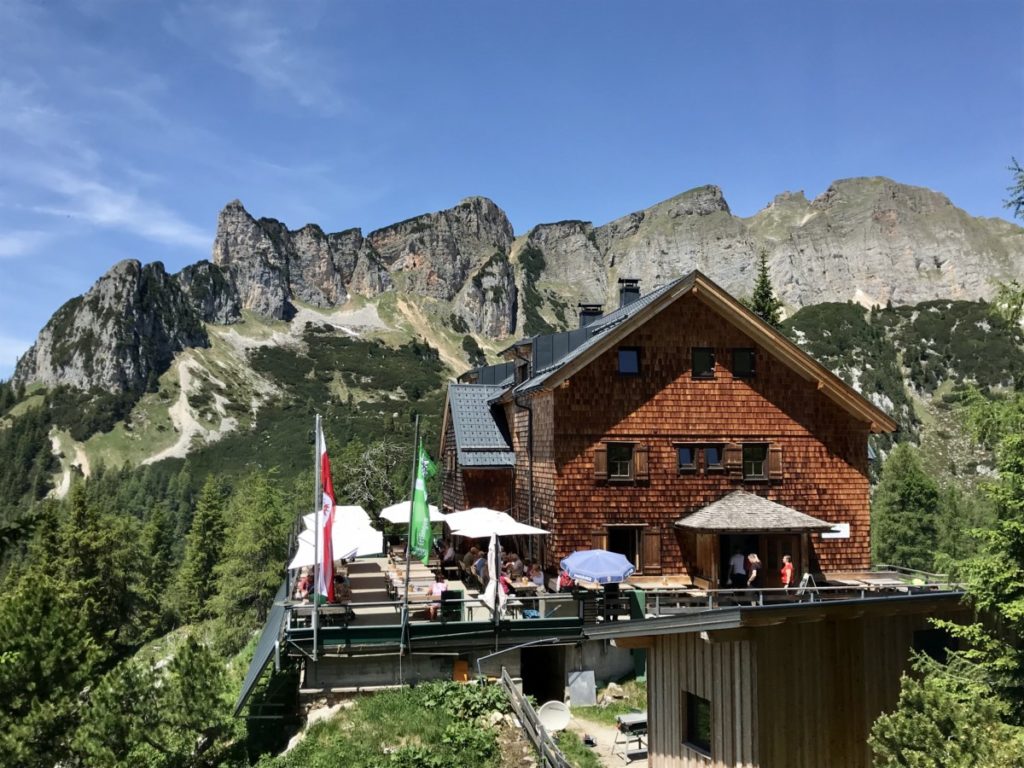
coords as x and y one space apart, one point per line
399 513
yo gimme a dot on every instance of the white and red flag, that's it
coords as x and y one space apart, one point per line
325 579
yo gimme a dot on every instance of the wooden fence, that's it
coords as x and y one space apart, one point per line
550 755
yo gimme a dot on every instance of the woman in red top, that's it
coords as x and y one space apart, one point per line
787 571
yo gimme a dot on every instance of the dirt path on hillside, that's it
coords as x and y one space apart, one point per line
184 419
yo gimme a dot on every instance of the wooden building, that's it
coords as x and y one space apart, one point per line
785 686
619 433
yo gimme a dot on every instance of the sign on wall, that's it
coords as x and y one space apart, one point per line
839 531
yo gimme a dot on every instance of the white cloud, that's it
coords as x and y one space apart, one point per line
16 243
270 49
97 203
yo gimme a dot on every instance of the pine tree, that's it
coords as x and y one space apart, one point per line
252 566
764 304
194 584
903 512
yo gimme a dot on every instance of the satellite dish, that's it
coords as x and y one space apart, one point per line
554 716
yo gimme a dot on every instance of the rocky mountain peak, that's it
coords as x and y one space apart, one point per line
119 336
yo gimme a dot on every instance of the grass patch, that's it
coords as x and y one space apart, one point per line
634 700
576 752
434 725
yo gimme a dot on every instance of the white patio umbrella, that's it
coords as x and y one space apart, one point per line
482 522
398 513
463 517
351 512
352 535
499 526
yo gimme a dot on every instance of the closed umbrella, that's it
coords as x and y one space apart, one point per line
598 566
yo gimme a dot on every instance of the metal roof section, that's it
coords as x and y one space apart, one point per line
596 333
715 619
743 512
481 437
272 631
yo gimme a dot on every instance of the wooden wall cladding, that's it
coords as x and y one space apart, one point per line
820 466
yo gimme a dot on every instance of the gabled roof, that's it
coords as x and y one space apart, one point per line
614 327
742 512
480 435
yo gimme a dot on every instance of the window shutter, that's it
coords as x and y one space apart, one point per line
601 463
641 470
775 462
733 457
599 538
651 556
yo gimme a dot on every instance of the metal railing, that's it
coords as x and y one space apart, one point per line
550 755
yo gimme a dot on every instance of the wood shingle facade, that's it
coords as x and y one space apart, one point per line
662 408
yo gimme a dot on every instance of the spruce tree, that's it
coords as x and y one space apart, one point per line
904 511
194 584
764 304
255 547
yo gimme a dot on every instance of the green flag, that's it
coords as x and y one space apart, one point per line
419 522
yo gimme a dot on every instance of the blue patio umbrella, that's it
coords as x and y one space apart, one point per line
597 565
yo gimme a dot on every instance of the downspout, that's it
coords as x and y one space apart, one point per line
529 457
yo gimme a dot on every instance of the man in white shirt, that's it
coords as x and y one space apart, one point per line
738 570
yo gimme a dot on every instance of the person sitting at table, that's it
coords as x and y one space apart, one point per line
436 590
503 581
448 558
516 567
536 575
480 567
469 558
302 586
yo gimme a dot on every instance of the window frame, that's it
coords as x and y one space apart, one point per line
719 466
618 360
763 461
637 532
753 363
691 467
631 462
710 373
692 704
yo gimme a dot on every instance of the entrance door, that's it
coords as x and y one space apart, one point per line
730 544
543 672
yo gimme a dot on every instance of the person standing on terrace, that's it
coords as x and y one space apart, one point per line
787 572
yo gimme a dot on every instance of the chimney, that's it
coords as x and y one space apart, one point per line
589 313
629 291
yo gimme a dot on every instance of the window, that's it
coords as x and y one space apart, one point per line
697 728
703 362
625 539
755 461
686 458
743 361
629 361
620 461
713 458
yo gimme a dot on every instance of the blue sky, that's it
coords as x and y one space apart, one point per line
126 125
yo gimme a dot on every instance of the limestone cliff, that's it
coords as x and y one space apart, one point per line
119 336
869 240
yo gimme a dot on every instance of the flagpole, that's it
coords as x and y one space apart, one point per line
408 540
316 537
